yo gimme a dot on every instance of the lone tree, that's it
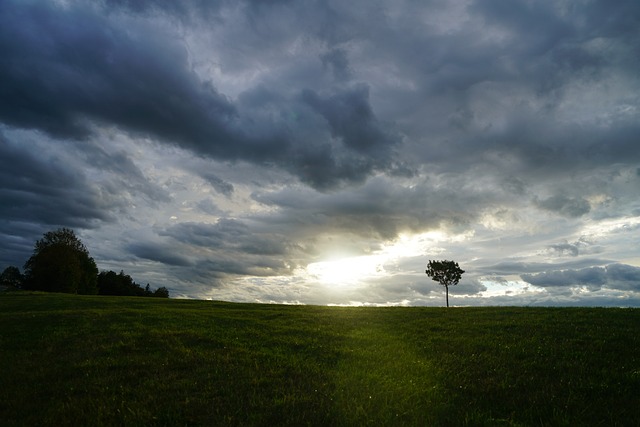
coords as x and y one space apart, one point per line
61 263
445 272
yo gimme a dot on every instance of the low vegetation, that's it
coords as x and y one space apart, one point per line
100 360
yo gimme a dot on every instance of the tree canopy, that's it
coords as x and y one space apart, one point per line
447 273
61 263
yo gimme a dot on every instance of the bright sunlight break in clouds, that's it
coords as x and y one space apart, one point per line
321 152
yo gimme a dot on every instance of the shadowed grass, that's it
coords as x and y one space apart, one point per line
73 360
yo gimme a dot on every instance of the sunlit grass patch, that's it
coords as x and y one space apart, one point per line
382 380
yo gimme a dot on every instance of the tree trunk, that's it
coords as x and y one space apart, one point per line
447 288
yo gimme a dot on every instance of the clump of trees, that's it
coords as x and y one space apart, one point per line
447 273
112 283
61 263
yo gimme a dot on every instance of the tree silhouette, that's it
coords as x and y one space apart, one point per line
112 283
61 263
11 277
447 273
161 292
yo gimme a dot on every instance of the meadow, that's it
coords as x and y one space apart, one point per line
98 360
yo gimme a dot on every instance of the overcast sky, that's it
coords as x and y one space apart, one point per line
322 152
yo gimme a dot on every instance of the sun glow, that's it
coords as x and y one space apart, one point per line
346 271
354 270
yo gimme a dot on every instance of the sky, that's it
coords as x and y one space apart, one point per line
322 152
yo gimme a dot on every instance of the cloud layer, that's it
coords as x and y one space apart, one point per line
234 149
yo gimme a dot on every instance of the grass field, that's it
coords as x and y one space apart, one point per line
73 360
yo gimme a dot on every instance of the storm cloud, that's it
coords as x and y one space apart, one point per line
78 67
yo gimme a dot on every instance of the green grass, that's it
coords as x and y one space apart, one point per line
73 360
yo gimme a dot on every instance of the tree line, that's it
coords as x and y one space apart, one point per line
61 263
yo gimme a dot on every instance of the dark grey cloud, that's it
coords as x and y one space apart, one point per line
560 33
525 20
46 190
44 186
187 10
623 276
352 120
223 266
67 76
613 276
219 184
380 208
582 246
231 247
125 175
60 77
62 67
566 249
209 207
468 287
516 111
567 206
593 278
514 267
334 137
337 61
228 235
18 240
161 253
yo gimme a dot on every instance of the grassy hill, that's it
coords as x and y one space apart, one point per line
73 360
